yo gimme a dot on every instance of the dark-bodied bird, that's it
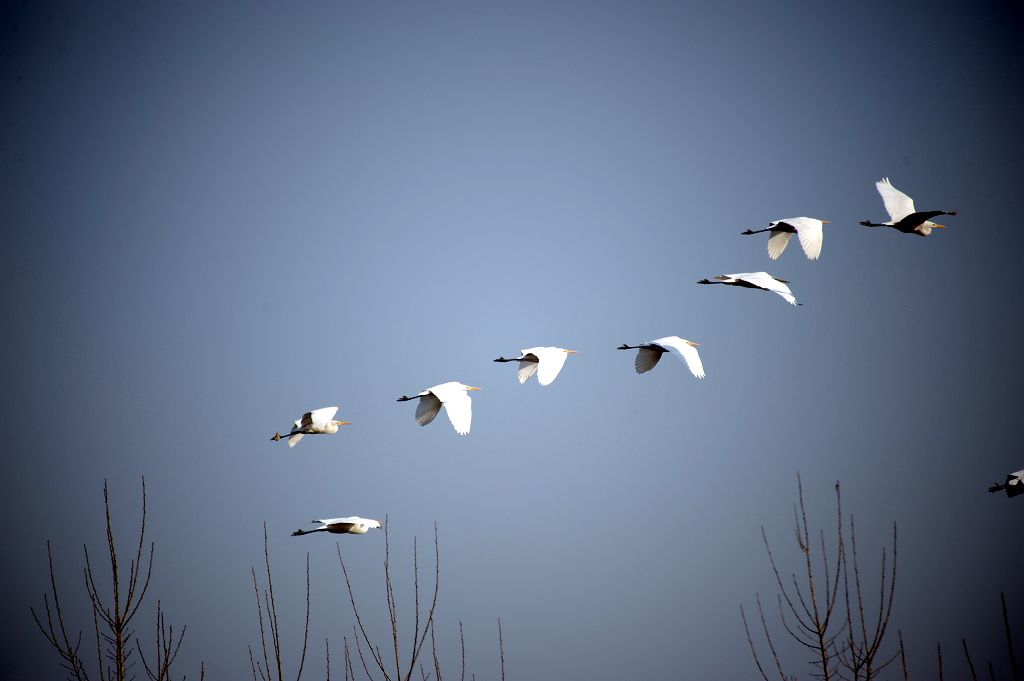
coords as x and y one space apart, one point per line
902 215
1014 484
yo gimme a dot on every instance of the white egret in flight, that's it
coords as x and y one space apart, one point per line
761 280
650 353
353 525
545 362
456 402
902 215
808 229
1014 484
316 422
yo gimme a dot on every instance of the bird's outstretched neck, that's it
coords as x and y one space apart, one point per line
996 488
502 359
868 223
628 347
404 398
705 281
756 231
298 532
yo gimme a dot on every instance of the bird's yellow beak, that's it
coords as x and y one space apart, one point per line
342 423
573 351
692 343
469 387
939 226
825 222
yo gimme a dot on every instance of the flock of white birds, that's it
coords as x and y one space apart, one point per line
547 362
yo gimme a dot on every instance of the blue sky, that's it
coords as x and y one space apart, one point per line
217 218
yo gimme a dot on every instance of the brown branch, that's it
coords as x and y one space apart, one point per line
1009 641
501 648
968 656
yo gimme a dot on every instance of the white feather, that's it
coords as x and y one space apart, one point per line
527 367
777 243
897 204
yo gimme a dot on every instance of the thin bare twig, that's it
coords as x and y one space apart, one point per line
1009 641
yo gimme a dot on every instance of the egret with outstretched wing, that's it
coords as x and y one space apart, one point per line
316 422
545 362
456 402
649 353
352 525
902 215
808 229
761 280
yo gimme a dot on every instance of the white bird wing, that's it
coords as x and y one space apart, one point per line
528 363
428 407
527 368
551 362
777 243
811 236
808 229
338 521
294 439
686 353
647 357
460 411
768 283
319 417
897 204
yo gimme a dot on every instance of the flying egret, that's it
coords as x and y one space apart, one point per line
316 422
902 215
1014 484
808 229
761 280
456 402
353 525
651 352
545 362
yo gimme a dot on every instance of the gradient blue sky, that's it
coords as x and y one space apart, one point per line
218 217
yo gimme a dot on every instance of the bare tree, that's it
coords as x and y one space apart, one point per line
1009 649
114 640
859 655
392 670
263 668
844 639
